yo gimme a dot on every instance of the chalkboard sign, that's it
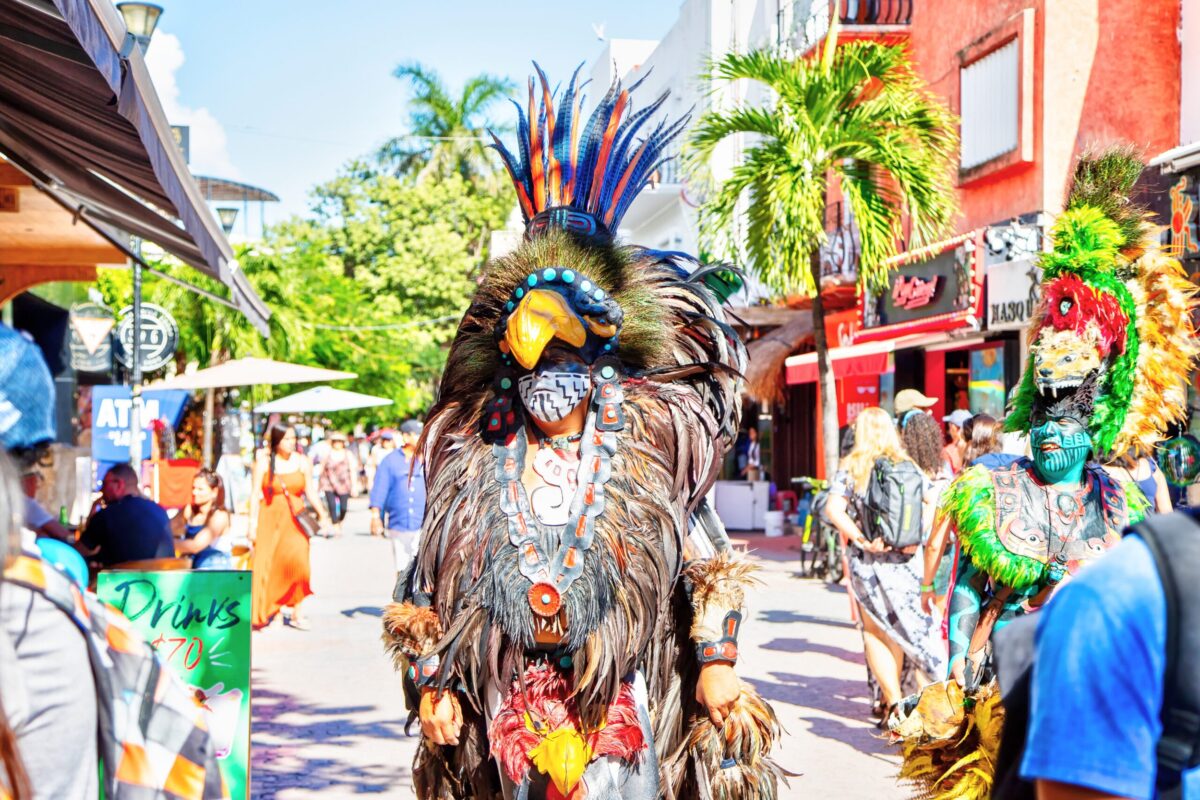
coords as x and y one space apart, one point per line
199 621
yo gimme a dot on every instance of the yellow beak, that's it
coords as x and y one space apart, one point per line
541 315
563 756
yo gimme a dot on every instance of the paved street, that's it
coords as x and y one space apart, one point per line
328 711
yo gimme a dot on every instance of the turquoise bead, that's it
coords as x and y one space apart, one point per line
565 662
505 383
520 292
510 305
598 294
568 276
586 286
606 372
533 280
549 274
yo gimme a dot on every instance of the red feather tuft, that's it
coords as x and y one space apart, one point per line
550 701
1072 305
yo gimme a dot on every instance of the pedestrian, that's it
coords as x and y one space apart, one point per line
383 447
281 565
750 461
123 525
983 435
206 519
398 497
1131 467
337 477
922 438
885 583
909 399
1098 692
37 518
957 444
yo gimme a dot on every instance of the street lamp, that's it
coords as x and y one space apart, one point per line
140 20
228 216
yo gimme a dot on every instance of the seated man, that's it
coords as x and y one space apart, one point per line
128 526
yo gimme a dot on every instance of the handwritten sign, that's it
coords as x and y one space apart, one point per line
199 621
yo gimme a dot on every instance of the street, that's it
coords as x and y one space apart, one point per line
329 714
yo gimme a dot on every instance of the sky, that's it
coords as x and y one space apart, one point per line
280 93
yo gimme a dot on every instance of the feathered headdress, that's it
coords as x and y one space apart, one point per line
580 175
1113 341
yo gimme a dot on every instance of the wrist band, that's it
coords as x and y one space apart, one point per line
926 587
725 648
424 670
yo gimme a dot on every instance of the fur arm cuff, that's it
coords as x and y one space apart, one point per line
718 587
409 632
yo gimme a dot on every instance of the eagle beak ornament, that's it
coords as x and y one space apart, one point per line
539 317
563 756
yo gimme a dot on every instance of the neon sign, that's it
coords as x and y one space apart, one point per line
913 291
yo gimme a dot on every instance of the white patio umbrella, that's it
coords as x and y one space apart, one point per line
251 372
321 399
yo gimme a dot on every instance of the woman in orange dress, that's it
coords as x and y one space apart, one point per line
281 563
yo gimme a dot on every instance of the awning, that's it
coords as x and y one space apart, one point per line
1177 159
79 115
766 355
869 358
251 372
321 400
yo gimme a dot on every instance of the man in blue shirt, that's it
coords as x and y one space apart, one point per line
1098 684
398 498
129 527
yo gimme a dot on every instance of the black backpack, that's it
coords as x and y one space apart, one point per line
891 510
1176 535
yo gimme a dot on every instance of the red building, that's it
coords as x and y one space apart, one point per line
1035 83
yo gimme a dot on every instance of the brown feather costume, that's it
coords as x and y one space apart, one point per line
633 606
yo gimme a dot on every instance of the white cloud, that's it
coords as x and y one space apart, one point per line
209 148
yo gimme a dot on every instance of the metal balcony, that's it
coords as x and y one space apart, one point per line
859 19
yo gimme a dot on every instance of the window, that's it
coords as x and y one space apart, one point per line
990 101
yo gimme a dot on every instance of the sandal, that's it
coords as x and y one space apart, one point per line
299 623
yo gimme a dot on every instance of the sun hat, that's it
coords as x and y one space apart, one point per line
908 399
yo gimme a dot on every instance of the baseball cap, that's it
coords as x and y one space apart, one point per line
26 393
908 399
958 416
411 427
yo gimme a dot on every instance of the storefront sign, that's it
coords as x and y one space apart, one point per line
1183 219
855 394
840 327
937 288
110 418
160 335
199 622
90 341
1012 294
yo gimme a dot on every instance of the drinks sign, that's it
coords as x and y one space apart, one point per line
199 622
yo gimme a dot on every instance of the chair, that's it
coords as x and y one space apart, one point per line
152 565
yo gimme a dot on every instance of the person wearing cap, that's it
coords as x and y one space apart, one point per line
955 421
398 497
336 480
911 400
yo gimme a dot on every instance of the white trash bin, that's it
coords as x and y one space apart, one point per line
773 522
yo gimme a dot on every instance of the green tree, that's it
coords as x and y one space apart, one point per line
447 133
858 114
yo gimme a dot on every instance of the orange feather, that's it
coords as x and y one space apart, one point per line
610 133
537 170
620 190
573 153
555 168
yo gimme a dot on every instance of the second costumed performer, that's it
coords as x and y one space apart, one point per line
1111 348
570 626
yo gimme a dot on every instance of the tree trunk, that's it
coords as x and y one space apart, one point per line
825 382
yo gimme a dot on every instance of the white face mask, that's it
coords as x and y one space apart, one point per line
553 393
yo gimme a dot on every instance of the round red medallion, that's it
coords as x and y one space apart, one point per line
544 599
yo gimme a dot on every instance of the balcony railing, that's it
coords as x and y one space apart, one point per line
854 14
875 12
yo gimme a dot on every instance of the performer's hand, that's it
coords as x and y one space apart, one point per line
441 716
717 690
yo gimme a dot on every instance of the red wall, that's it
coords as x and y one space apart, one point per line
1104 71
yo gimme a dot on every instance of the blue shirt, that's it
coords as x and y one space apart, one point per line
1097 681
401 501
131 529
996 461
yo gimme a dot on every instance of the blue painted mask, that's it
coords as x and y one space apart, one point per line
1060 449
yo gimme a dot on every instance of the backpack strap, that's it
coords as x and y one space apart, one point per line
1174 542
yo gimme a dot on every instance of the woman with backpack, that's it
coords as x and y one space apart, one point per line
875 501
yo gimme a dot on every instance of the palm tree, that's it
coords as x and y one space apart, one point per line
859 114
447 134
